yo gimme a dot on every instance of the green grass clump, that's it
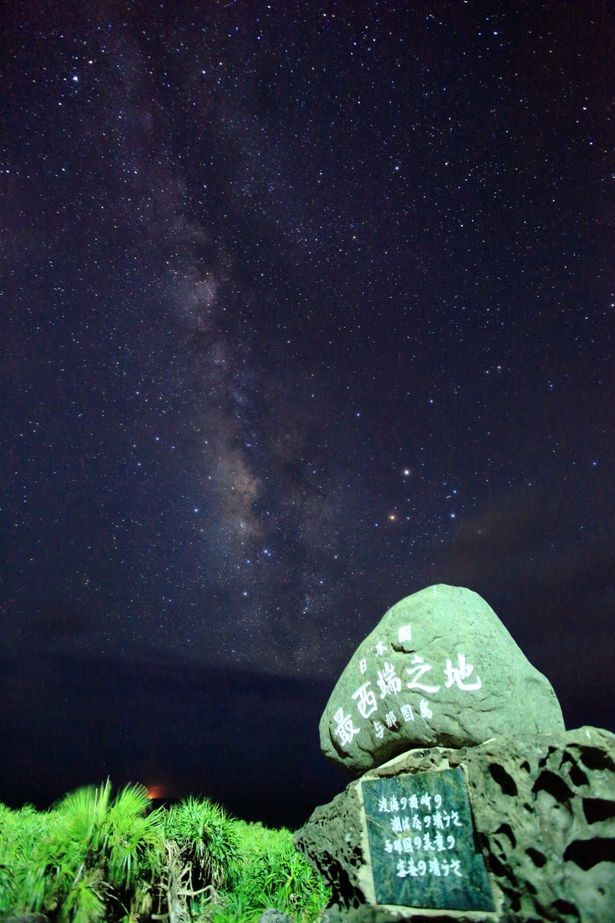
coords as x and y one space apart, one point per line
20 832
272 873
94 857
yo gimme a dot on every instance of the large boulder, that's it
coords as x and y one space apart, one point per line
544 815
440 669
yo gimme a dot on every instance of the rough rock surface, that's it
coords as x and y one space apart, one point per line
544 813
274 916
440 669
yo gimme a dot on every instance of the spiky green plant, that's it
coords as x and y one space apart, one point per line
132 837
274 874
96 851
207 840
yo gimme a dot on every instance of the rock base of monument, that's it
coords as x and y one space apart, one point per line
542 825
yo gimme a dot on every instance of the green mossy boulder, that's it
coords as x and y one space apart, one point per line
439 669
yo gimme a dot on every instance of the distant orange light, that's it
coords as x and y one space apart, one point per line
155 791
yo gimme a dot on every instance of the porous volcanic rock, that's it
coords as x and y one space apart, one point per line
544 814
440 669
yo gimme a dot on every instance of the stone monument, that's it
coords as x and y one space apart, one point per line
471 801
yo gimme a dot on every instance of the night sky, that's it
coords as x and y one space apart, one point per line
305 306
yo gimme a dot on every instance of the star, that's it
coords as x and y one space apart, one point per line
314 311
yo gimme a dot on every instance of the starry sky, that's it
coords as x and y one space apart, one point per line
306 306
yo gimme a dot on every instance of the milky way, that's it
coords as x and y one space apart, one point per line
307 308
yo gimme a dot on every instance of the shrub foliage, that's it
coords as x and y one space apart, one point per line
94 857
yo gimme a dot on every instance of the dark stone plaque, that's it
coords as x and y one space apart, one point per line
421 842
